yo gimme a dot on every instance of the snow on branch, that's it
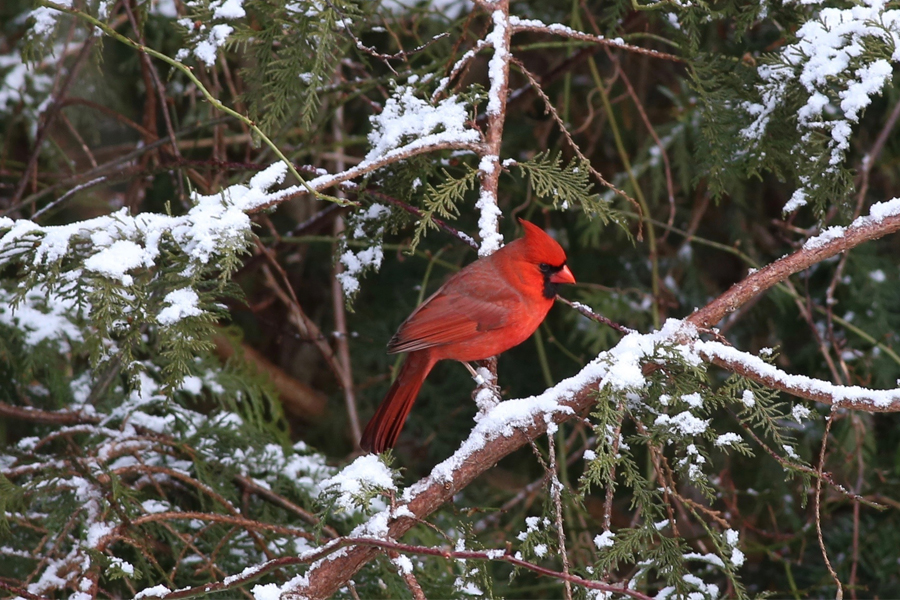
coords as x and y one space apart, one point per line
833 65
489 166
756 369
883 218
120 242
407 119
534 25
430 143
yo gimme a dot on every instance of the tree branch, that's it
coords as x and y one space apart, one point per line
883 219
536 26
486 446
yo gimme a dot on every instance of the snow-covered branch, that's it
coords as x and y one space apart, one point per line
272 590
533 25
883 218
425 145
489 166
756 369
504 429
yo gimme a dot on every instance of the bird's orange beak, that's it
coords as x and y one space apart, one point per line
564 275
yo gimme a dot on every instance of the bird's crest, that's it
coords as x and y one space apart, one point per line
541 247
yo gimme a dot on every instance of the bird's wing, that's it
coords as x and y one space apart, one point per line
464 308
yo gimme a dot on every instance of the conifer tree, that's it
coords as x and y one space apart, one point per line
214 214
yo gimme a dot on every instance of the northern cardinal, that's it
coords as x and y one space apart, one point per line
488 307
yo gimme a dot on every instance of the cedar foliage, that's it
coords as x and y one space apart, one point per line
144 441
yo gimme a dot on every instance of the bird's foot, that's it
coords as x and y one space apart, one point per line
478 377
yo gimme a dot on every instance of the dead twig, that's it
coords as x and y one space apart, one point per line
817 508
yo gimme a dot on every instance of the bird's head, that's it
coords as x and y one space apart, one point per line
545 254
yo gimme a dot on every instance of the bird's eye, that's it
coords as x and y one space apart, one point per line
545 268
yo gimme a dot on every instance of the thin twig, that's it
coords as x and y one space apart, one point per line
82 144
61 417
859 431
556 496
78 188
386 544
418 212
817 508
587 312
549 108
337 301
49 116
306 326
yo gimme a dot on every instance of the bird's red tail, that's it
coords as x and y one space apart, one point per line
383 430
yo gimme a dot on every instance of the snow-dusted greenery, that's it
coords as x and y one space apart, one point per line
149 465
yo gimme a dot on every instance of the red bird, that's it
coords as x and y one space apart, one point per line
488 307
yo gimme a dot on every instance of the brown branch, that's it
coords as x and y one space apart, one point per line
862 230
417 212
518 25
49 116
556 487
80 140
17 591
859 429
374 545
337 298
489 167
220 518
489 164
817 508
367 166
72 101
755 369
35 415
408 576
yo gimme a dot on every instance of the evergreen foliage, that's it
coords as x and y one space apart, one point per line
443 201
180 318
